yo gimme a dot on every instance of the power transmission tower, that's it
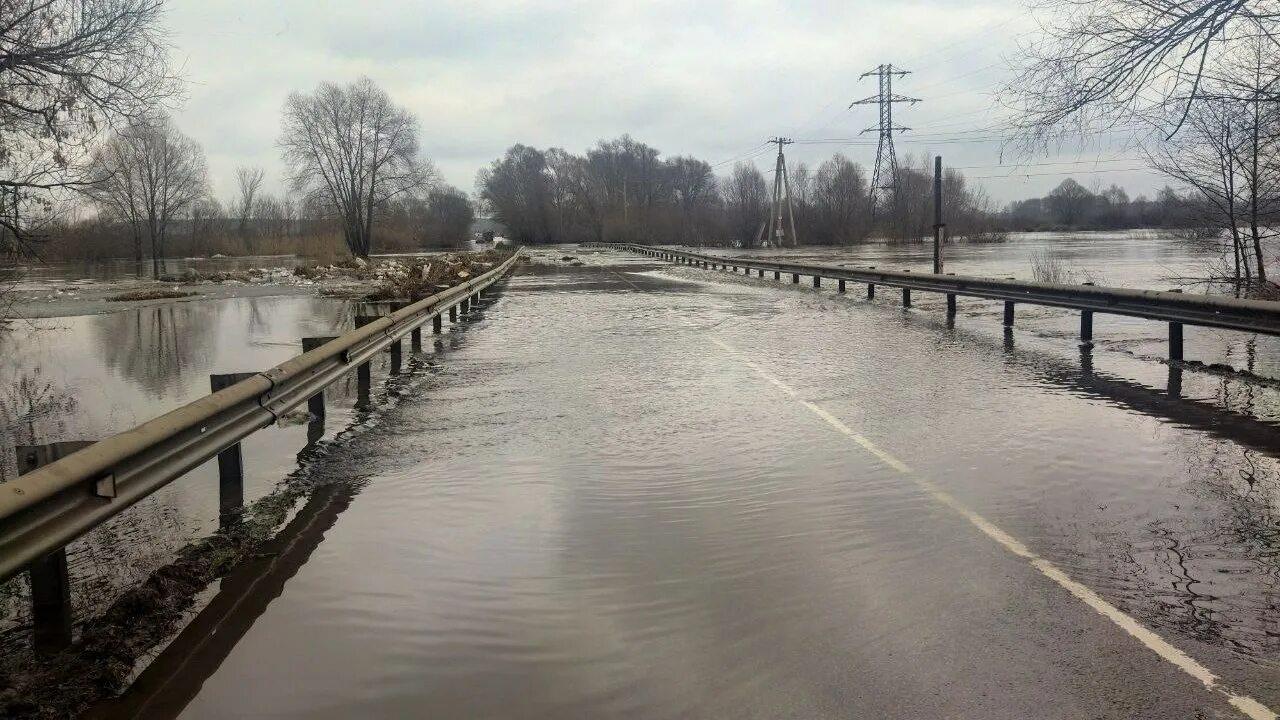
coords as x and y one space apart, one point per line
884 181
781 193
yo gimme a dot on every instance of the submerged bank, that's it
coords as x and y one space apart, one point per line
379 279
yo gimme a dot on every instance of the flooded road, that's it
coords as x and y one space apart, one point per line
632 489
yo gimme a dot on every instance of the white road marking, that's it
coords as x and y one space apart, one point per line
1246 705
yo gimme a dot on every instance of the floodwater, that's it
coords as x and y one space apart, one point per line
88 377
632 489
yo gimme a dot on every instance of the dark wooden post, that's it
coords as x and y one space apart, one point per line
436 324
1174 387
951 305
871 291
230 463
1175 339
761 273
51 617
906 297
777 275
939 229
1008 313
397 355
315 403
817 281
453 313
841 286
1086 327
795 278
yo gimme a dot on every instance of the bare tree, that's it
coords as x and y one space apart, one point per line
152 173
248 182
68 70
693 186
839 201
448 218
352 150
745 199
1102 63
1229 164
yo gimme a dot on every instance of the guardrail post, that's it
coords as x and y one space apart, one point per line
871 291
397 346
364 375
795 278
1174 387
1008 313
396 356
415 340
777 275
230 463
453 313
436 324
906 297
951 305
50 582
817 281
761 273
315 403
1086 327
1175 341
841 285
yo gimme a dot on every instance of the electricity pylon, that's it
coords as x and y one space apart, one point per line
884 181
781 189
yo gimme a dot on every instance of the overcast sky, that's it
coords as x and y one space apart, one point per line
711 78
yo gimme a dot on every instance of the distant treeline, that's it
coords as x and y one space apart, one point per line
1072 206
270 226
624 190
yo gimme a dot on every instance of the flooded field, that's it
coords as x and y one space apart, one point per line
619 491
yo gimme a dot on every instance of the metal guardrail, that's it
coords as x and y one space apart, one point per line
43 510
1176 308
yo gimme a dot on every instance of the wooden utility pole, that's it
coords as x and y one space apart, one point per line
939 228
781 189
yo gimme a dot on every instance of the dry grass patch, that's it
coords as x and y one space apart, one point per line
149 294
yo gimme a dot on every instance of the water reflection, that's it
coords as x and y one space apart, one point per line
31 407
1210 565
160 347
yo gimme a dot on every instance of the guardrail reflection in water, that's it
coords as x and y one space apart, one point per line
1172 307
68 489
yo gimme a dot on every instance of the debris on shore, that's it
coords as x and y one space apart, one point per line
430 275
